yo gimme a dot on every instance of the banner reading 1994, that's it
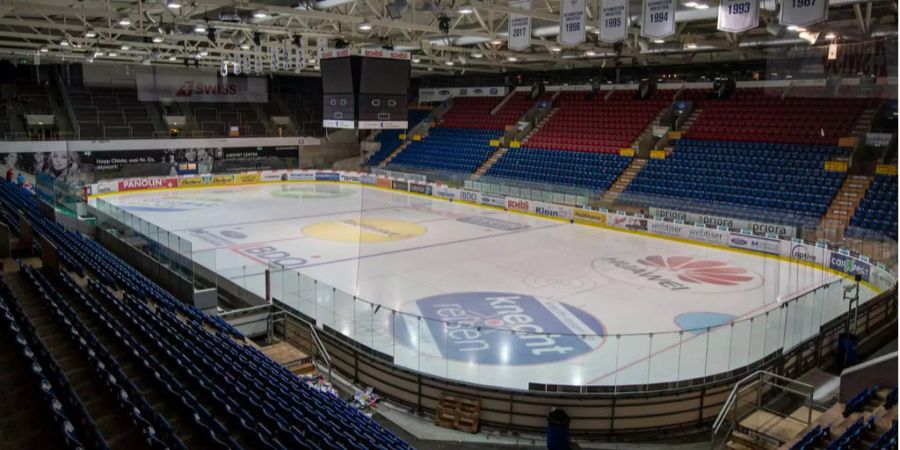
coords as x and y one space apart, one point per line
658 18
736 16
572 22
519 26
803 12
613 20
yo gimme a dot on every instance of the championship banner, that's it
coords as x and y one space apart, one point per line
572 22
199 87
803 12
519 26
658 18
613 20
736 16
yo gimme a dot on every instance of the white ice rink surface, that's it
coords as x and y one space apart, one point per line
594 295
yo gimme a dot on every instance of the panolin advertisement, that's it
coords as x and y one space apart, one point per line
200 87
133 184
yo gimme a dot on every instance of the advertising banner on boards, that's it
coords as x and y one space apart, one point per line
706 219
200 87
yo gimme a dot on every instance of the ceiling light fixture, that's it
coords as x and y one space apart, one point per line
64 43
173 4
658 41
365 26
555 49
690 45
496 41
125 47
466 10
157 39
416 60
691 4
112 54
44 50
260 14
124 21
245 46
830 35
449 63
477 55
590 53
702 6
512 59
199 28
172 58
90 34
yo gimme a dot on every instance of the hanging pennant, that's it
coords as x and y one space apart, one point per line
301 54
613 20
572 22
321 46
736 16
658 18
803 12
286 50
273 56
519 26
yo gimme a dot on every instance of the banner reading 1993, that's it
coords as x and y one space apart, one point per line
803 12
613 20
736 16
572 22
658 18
519 26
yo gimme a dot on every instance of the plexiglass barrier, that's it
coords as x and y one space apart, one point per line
495 340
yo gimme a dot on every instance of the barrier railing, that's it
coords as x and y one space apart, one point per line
800 296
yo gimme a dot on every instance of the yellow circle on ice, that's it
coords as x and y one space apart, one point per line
364 230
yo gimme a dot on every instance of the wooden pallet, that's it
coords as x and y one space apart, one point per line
458 413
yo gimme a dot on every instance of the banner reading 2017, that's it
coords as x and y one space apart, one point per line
658 18
519 26
613 20
572 22
803 12
736 16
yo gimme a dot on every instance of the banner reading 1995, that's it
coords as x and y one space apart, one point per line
803 12
613 20
519 26
736 16
658 18
572 22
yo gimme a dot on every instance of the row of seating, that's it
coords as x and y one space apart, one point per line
853 435
448 149
594 171
390 140
887 440
877 212
104 113
813 438
859 400
279 408
475 112
55 397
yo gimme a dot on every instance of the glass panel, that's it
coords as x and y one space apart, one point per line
664 357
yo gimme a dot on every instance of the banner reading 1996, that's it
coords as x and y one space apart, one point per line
519 26
658 18
736 16
803 12
613 20
572 22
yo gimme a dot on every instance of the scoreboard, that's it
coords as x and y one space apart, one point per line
368 90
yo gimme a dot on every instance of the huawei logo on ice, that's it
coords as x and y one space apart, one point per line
700 271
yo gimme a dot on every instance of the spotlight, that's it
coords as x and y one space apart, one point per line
512 59
199 28
96 54
496 41
172 58
477 55
365 26
90 34
157 39
260 14
125 47
830 35
204 53
555 49
466 10
44 50
173 4
449 63
64 43
590 53
124 21
245 46
416 60
112 54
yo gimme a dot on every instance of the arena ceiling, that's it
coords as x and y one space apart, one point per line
207 33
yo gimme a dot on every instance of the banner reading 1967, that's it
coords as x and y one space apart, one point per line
736 16
613 20
803 12
519 26
658 18
572 22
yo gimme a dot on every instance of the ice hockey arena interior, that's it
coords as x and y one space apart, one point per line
448 224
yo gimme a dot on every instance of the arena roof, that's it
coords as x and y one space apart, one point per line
207 33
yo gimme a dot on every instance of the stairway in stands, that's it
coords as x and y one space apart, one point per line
490 161
624 179
648 130
842 207
864 122
691 119
394 153
103 406
540 124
